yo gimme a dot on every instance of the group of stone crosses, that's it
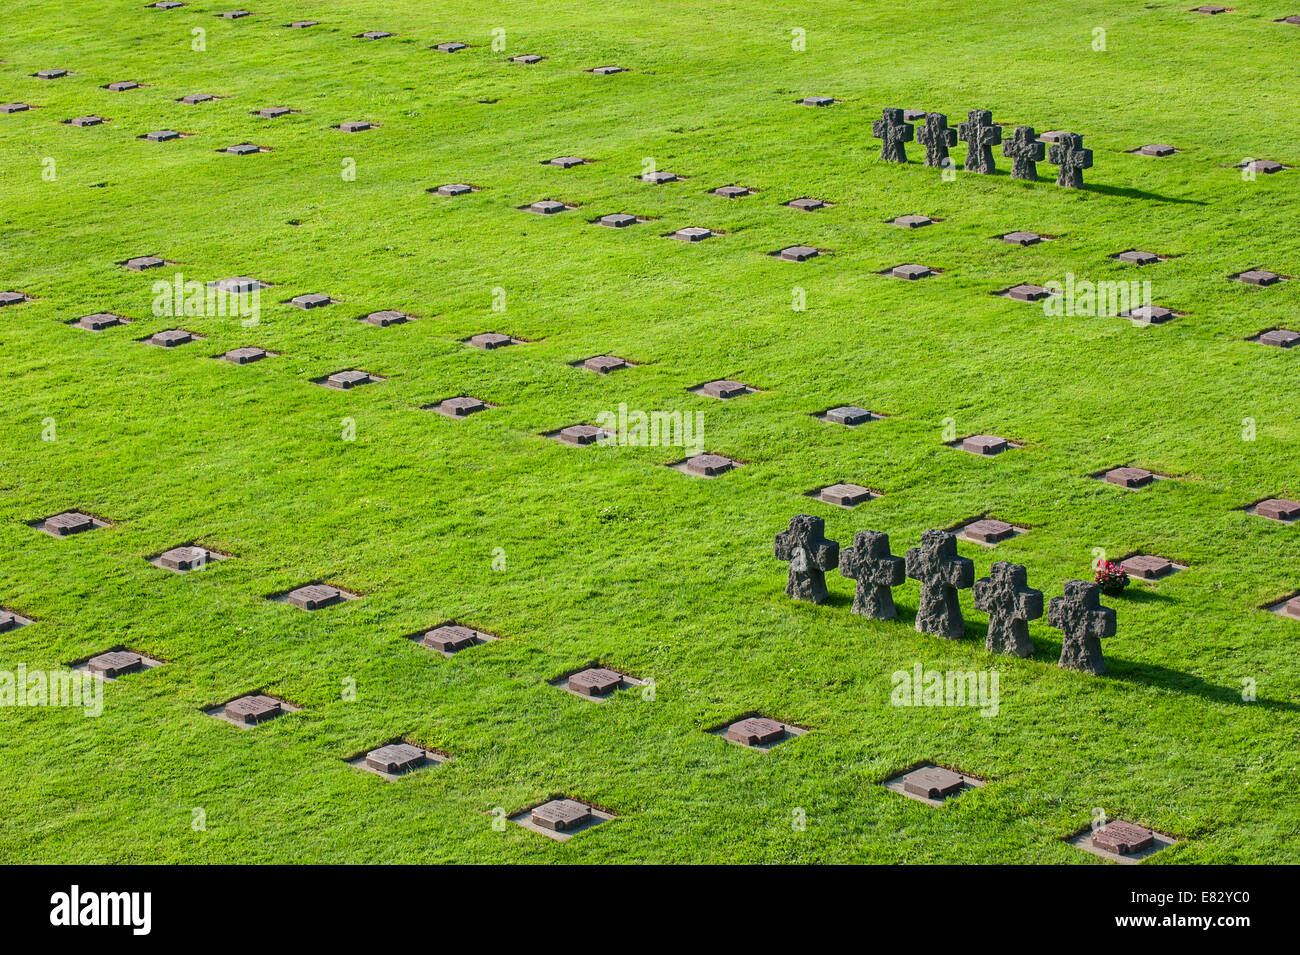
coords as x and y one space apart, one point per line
1025 149
1004 595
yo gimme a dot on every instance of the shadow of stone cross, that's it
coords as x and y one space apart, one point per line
942 573
980 136
875 569
1024 150
1010 603
936 137
1082 619
810 555
1068 154
892 133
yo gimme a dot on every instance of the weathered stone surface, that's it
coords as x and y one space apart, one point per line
7 621
846 495
566 162
724 389
461 407
607 70
933 782
798 253
12 298
69 522
1210 10
454 189
709 465
980 136
351 378
246 355
452 47
1083 623
732 192
810 554
1151 314
911 272
755 731
581 434
1259 277
162 135
893 132
450 638
941 572
85 121
355 126
491 340
559 815
1129 477
875 571
171 338
1138 257
1279 509
51 74
385 318
617 220
310 300
373 35
8 108
184 558
985 444
194 98
806 204
123 86
167 4
99 321
273 112
692 234
253 709
604 364
1280 338
989 531
659 177
115 663
595 681
1122 838
234 14
1071 159
527 58
818 101
912 221
238 285
937 138
1266 166
1157 149
303 24
849 415
1025 152
1026 292
1292 608
1148 567
395 758
547 207
243 149
1010 603
1022 238
314 596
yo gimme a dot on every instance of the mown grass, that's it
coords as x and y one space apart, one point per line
608 555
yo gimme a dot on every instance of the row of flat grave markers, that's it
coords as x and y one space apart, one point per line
1004 595
1025 149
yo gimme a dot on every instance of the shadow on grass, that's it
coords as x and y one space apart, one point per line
1128 193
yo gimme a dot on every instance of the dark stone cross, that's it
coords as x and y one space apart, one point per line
875 569
1071 158
1024 150
1010 604
892 133
936 137
980 136
810 555
1083 621
941 573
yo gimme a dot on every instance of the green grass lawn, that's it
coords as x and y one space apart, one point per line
574 555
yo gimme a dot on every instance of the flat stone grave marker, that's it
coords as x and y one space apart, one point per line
527 58
797 253
911 272
931 784
453 189
1294 20
989 531
756 731
1278 338
246 355
580 435
397 759
604 364
1026 292
1150 315
606 70
50 74
1277 509
303 24
86 121
70 522
122 86
1122 842
618 220
565 162
372 35
1150 567
691 234
844 494
706 465
984 445
166 4
659 177
733 192
251 710
350 378
116 663
195 98
450 638
914 115
242 149
1022 238
817 101
1267 166
355 126
1260 277
546 207
451 47
11 620
1054 135
385 318
272 112
14 108
848 415
12 298
1137 257
239 285
161 136
186 558
99 321
561 818
912 221
172 338
234 14
314 596
491 340
807 204
596 683
724 389
311 300
461 406
1287 607
1129 477
142 262
1212 10
1159 150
